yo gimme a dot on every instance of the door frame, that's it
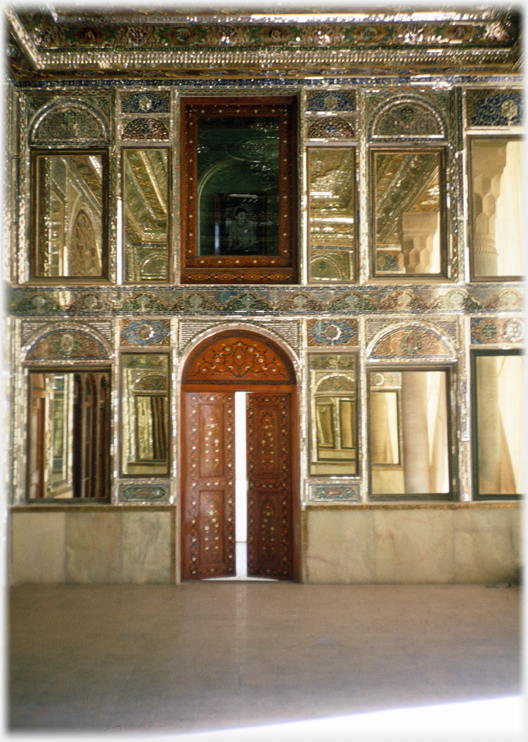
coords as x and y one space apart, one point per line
293 388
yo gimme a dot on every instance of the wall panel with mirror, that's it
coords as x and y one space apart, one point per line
69 435
498 423
69 215
146 179
409 433
496 203
408 208
145 441
332 213
239 190
333 415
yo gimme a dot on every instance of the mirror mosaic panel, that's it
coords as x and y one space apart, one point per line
69 215
408 415
331 210
408 199
333 435
145 414
146 214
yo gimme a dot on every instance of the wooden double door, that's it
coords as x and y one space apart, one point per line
208 506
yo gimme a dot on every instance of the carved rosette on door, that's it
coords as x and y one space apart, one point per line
269 486
209 509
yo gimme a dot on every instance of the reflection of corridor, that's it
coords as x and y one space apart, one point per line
198 656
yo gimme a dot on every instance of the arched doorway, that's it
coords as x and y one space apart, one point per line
230 362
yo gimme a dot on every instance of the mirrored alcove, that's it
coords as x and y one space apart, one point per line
409 452
496 187
331 213
69 215
145 414
69 434
498 399
408 209
333 415
145 199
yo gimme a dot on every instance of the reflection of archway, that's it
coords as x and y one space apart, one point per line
239 361
83 254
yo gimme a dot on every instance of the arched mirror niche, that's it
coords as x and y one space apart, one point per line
69 194
408 185
69 418
410 416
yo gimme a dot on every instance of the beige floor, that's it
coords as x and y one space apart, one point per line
202 656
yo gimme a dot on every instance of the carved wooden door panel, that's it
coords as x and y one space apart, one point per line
270 552
208 498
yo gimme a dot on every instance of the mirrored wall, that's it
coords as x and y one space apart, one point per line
145 414
69 215
408 211
409 451
331 213
333 415
497 201
498 413
69 434
146 214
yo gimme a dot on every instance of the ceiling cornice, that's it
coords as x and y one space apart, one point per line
69 43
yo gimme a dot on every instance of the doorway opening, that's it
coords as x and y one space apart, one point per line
239 461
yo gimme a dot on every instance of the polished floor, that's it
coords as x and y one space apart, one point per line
217 655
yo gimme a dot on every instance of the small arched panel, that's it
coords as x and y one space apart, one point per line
238 357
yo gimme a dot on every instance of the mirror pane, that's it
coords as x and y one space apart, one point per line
145 438
408 206
69 434
500 418
145 198
69 215
331 182
333 411
497 203
409 432
238 185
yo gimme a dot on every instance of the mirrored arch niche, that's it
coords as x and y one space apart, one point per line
410 415
408 165
69 193
69 417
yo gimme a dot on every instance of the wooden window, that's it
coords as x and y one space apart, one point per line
239 190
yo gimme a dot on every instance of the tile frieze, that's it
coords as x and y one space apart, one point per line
266 300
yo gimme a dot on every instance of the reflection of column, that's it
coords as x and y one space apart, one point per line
415 433
489 426
421 249
487 166
382 452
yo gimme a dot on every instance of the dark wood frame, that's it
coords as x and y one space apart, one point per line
355 261
230 269
170 261
83 501
451 427
33 258
471 222
474 419
387 149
